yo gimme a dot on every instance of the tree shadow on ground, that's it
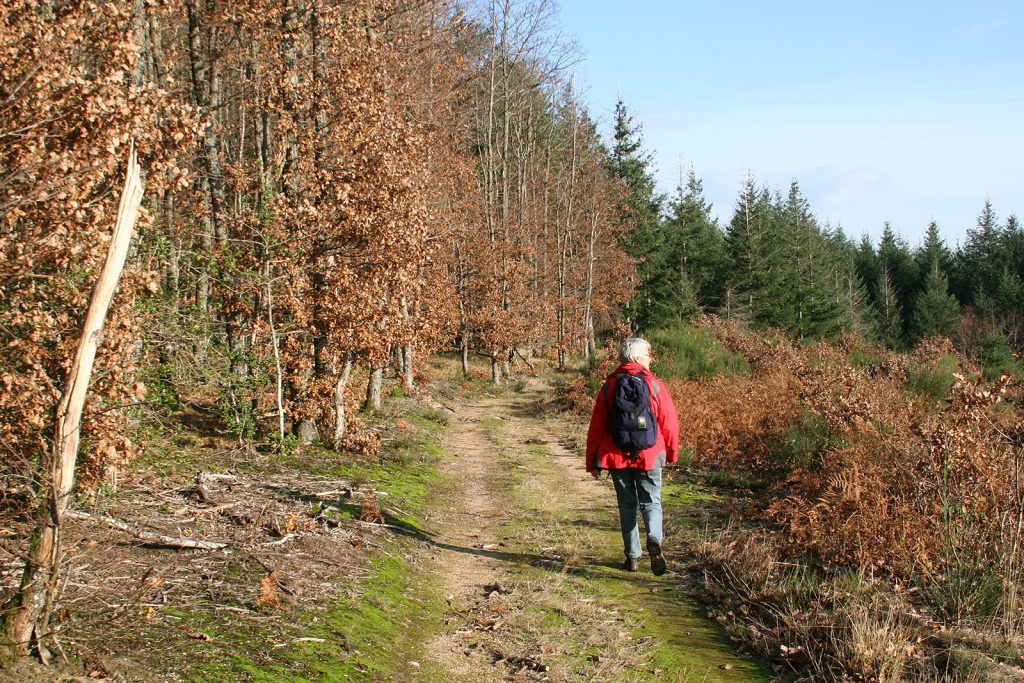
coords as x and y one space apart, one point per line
588 568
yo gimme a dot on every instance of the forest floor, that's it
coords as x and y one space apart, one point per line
476 549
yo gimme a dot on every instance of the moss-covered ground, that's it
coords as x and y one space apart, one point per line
672 635
421 584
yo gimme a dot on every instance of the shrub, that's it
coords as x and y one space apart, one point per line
864 359
160 390
932 379
804 441
687 352
998 359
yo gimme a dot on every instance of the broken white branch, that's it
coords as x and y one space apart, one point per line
287 537
148 536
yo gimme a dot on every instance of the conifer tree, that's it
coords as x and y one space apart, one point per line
638 213
895 259
936 311
981 260
814 264
1013 240
932 248
746 246
851 290
868 267
784 271
888 311
694 248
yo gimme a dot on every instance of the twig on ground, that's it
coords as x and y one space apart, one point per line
147 536
206 511
287 537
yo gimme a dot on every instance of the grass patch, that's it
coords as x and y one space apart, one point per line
863 359
932 380
737 480
803 443
369 631
686 352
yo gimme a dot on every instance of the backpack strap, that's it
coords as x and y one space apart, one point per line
605 390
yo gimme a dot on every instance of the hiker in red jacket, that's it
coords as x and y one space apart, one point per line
625 440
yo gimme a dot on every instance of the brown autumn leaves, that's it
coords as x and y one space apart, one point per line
329 185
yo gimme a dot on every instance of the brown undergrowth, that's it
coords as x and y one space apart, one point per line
887 543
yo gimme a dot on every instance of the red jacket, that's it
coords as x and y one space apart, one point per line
602 453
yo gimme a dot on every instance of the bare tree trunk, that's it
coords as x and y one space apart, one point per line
206 243
340 423
465 356
495 369
590 352
172 282
205 92
565 252
26 622
277 352
404 365
374 389
397 359
407 366
291 22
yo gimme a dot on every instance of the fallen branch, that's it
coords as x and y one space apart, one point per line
147 536
287 537
523 358
206 477
206 511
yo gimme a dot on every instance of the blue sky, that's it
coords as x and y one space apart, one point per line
899 111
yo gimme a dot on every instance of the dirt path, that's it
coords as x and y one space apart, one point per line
526 556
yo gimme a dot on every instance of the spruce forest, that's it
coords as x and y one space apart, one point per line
375 260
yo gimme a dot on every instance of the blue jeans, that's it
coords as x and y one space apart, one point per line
634 487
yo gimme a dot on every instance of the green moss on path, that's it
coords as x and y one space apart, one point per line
682 642
539 529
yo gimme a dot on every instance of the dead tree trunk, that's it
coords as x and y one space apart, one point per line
279 371
374 389
340 424
27 618
407 373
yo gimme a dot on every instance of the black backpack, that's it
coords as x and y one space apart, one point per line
630 415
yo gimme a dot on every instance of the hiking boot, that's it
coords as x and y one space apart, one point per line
657 558
632 564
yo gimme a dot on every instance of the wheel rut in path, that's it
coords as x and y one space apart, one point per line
526 555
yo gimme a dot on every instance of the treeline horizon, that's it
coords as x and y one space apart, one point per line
773 263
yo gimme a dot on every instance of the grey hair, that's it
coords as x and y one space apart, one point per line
633 347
